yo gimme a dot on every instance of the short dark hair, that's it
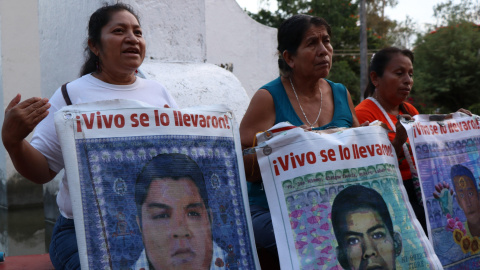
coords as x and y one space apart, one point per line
174 166
98 20
290 35
353 198
284 182
296 178
312 191
379 62
458 170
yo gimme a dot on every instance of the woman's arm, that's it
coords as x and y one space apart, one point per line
465 111
259 117
20 119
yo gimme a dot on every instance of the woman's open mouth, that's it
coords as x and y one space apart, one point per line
132 50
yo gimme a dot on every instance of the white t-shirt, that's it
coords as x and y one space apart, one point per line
83 90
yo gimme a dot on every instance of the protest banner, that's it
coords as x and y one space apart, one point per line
337 201
156 187
446 152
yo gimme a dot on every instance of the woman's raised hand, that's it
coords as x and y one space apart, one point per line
465 111
401 134
21 118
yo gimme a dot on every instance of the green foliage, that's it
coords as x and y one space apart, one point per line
475 108
401 33
342 72
448 12
378 25
447 64
267 17
342 15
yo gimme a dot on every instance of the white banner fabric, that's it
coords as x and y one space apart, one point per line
448 164
156 187
337 200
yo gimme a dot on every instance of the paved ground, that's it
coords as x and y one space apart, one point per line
39 262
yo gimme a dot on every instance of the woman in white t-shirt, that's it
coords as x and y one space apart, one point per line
116 48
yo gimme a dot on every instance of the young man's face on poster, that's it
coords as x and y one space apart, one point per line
312 197
467 195
368 242
175 225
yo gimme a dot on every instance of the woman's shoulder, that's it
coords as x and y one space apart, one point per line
59 99
88 82
410 108
149 82
81 84
365 104
273 85
339 90
367 111
335 85
149 88
88 88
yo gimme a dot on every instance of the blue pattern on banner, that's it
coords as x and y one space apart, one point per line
434 163
108 170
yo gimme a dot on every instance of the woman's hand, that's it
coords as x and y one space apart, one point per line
465 111
400 135
21 118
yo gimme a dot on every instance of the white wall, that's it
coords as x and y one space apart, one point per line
42 47
176 52
196 84
171 35
174 30
63 34
20 52
3 180
234 37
